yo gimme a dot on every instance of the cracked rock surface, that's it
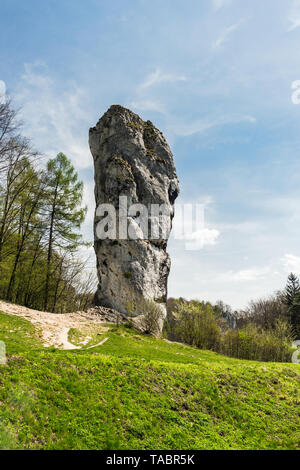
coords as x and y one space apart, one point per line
133 159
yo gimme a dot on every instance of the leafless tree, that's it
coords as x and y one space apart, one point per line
264 312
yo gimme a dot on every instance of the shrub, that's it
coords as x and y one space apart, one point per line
146 315
254 343
197 325
152 317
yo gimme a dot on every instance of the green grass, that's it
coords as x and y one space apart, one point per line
137 392
87 336
18 334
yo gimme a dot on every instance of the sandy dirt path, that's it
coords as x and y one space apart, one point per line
54 327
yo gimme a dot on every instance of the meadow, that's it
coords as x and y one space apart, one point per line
139 392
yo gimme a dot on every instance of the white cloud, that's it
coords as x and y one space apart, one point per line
294 15
197 240
54 119
246 227
245 275
226 34
89 201
217 4
148 105
159 77
2 92
145 100
202 125
189 225
291 263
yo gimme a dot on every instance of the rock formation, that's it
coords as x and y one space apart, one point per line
132 159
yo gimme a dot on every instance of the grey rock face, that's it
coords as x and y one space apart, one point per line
132 159
106 315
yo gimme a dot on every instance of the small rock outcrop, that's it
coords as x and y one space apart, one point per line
133 161
106 315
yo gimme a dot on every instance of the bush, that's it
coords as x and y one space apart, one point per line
146 315
197 325
253 343
152 317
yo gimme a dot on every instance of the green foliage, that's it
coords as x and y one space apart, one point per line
87 336
38 237
19 334
139 392
150 315
40 218
135 125
64 212
196 324
201 325
294 311
291 297
291 290
253 343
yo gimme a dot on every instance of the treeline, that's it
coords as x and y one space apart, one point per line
283 305
40 216
263 332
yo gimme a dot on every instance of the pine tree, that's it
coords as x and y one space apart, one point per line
291 290
295 315
64 211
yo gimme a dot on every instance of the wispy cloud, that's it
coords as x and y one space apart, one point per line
146 99
291 263
294 15
55 119
218 4
224 37
159 77
148 105
199 239
2 92
202 125
243 275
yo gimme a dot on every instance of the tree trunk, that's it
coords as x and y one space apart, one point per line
50 246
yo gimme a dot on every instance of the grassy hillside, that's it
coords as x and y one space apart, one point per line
136 392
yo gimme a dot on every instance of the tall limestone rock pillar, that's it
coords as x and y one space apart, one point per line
133 165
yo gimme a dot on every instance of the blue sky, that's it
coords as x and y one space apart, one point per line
215 76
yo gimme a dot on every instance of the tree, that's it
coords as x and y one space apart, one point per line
197 324
294 310
40 214
63 210
291 290
28 205
9 128
12 185
264 312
